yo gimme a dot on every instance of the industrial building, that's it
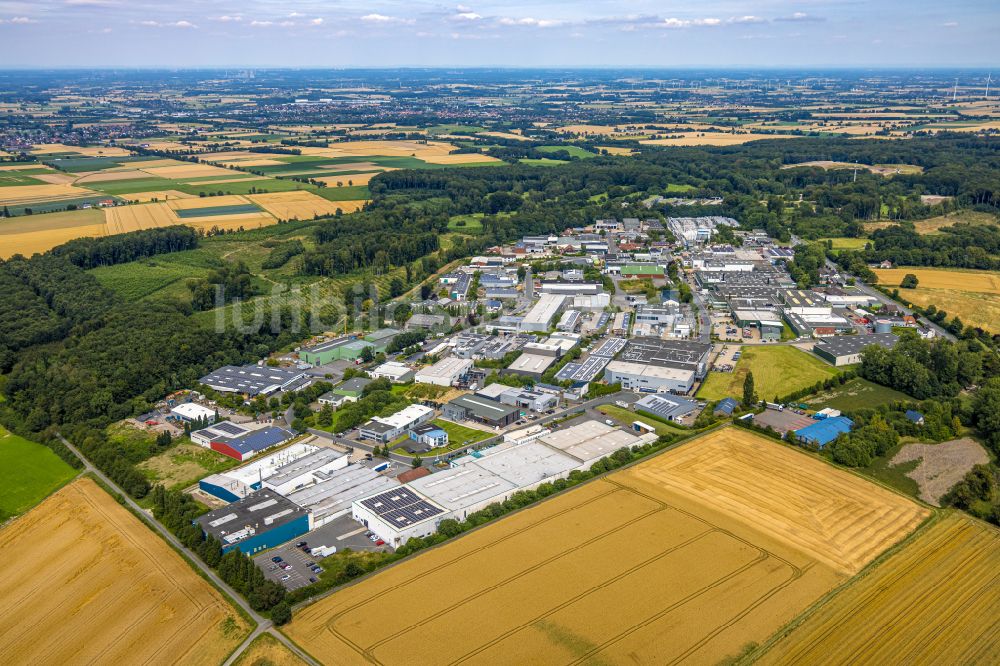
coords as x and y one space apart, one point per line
191 412
247 445
345 348
846 350
479 409
261 520
252 380
425 322
670 408
541 316
384 429
767 322
306 471
585 371
536 401
426 437
398 514
445 372
237 483
653 365
205 436
825 431
394 371
464 489
333 496
590 441
531 365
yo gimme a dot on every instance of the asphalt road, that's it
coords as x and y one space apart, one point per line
264 625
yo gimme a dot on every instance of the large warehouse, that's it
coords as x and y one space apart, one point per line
445 372
398 514
333 496
261 520
653 365
480 409
246 445
846 350
237 483
306 471
252 380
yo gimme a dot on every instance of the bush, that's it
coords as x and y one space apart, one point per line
281 613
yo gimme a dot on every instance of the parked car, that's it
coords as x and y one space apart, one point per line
276 559
285 577
312 579
380 542
300 544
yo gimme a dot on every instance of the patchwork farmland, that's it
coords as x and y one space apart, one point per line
103 588
936 600
700 551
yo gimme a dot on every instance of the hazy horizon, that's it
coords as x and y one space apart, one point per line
388 34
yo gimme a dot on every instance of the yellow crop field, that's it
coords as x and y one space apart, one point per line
182 171
28 234
107 176
460 158
209 202
296 205
935 601
713 139
974 296
160 195
88 151
352 179
687 556
123 219
102 588
266 650
17 195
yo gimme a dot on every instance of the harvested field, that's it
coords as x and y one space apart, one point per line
234 179
187 170
28 234
108 176
699 551
123 219
941 465
935 601
209 202
462 158
54 178
88 151
974 296
103 588
29 194
348 180
713 139
880 169
160 195
301 205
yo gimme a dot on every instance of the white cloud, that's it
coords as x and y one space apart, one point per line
799 16
295 15
463 9
229 19
261 24
173 24
676 23
182 24
747 19
90 3
950 24
316 21
467 16
384 20
18 20
530 22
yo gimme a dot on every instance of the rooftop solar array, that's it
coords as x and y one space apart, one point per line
610 347
401 507
585 371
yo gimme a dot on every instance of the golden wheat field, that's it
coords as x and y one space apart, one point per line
713 139
27 234
974 296
935 601
301 205
348 180
19 195
88 151
690 555
104 589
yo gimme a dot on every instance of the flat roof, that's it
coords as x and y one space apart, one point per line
254 379
340 489
584 371
192 410
461 487
257 440
532 363
667 407
222 429
262 468
401 507
653 371
483 407
610 347
445 368
261 510
304 465
326 346
848 345
545 309
524 464
680 354
589 440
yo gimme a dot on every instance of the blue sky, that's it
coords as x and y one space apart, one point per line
559 33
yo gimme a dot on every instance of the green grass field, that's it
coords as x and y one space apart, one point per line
28 473
215 211
777 371
574 151
138 279
847 243
541 161
21 177
350 193
466 224
857 393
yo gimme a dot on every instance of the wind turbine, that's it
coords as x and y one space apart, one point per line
954 96
989 78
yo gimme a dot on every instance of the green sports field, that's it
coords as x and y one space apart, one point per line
28 473
777 371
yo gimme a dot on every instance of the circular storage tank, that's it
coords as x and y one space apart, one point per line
883 326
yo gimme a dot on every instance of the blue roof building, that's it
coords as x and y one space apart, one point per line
823 432
726 406
242 447
914 416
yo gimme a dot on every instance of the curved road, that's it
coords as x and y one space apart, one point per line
264 625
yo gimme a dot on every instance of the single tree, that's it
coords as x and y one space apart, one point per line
749 395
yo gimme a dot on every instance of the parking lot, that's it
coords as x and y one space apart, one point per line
342 532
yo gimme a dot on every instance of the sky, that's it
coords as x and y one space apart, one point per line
539 33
